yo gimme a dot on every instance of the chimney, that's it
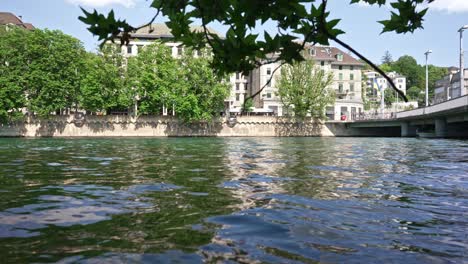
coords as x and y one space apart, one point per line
21 18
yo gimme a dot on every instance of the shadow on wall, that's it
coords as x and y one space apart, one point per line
175 128
287 127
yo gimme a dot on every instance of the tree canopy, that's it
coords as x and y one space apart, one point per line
242 50
44 72
305 89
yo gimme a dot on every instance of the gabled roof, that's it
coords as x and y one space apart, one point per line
7 18
326 53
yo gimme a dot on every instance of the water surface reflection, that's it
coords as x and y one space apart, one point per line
301 200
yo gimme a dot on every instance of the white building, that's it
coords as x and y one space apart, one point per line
378 82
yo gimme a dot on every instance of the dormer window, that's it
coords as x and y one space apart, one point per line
312 52
339 57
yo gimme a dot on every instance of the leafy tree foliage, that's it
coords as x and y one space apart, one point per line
414 93
241 50
154 76
407 66
247 106
305 89
203 93
52 78
12 73
187 85
40 71
102 87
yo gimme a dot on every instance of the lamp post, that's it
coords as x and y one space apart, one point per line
462 68
427 78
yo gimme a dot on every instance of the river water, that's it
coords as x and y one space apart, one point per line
228 200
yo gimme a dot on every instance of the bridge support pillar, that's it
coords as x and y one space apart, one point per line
407 130
440 127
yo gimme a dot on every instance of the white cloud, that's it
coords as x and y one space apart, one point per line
450 6
101 3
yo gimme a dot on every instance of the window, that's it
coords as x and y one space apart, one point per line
237 97
237 86
129 49
268 71
339 57
237 76
340 76
322 63
139 48
351 76
340 87
399 86
179 50
268 95
268 82
351 68
340 67
312 52
351 87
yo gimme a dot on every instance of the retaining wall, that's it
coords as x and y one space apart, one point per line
151 126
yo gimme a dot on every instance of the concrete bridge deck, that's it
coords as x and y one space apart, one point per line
446 119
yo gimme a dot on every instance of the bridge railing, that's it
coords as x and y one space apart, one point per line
375 116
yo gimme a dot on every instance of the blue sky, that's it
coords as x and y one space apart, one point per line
359 21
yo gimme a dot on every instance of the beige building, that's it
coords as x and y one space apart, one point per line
346 83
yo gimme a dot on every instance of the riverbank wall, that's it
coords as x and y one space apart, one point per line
152 126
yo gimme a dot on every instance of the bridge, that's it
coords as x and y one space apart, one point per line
446 119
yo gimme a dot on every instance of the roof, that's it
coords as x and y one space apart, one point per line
7 18
161 30
327 53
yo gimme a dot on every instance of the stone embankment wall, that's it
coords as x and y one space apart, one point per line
151 126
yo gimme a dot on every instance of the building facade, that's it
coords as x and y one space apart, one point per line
449 87
346 71
347 83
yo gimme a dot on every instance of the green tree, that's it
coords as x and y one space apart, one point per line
12 73
247 106
386 67
435 73
305 89
154 76
387 58
414 93
240 50
408 67
102 86
40 71
203 93
54 63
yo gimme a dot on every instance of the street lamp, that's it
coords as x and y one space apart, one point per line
427 78
462 68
